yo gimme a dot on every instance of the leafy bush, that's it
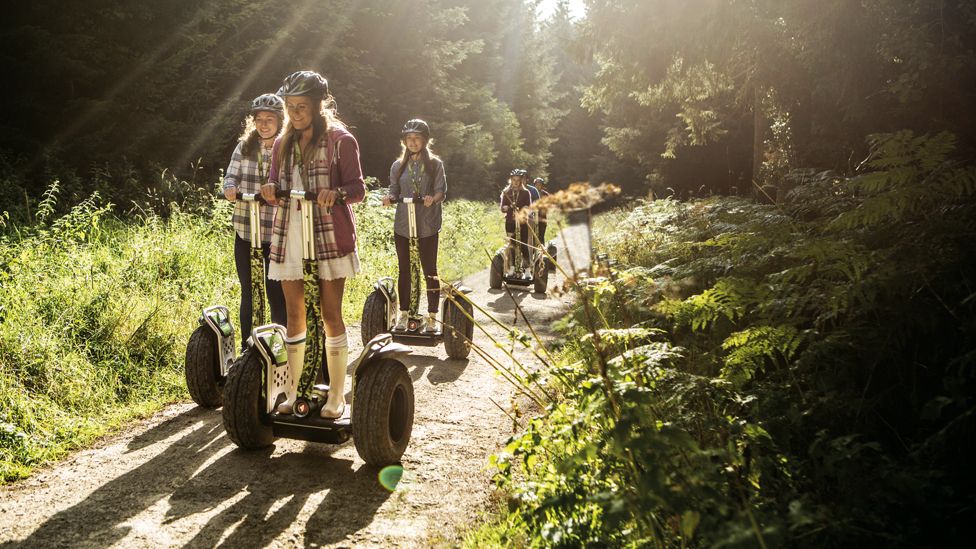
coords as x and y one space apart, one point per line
798 374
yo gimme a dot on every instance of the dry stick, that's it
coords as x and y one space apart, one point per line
504 411
509 376
495 341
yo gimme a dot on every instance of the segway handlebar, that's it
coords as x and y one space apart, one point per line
301 195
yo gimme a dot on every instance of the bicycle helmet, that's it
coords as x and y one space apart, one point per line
538 181
268 102
416 125
518 172
308 83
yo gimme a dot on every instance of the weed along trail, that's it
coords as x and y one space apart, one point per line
177 480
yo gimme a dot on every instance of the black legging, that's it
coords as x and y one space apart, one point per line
522 241
542 233
276 298
428 262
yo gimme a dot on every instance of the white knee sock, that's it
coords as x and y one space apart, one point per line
337 353
295 346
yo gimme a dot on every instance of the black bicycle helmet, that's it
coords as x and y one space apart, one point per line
304 83
416 125
268 102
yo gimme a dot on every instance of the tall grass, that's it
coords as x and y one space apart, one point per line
95 311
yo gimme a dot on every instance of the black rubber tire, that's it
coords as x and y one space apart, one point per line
382 412
245 420
540 282
495 272
458 328
374 316
202 368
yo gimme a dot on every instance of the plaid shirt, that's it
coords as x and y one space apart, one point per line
335 234
244 174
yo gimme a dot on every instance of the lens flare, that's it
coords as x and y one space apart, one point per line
390 476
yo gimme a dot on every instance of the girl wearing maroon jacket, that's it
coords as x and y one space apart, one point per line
316 153
515 197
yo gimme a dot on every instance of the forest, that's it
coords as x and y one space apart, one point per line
784 353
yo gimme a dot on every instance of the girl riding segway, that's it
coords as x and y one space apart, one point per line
316 153
516 196
247 171
417 174
211 349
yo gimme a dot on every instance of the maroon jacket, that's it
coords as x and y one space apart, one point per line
511 198
335 164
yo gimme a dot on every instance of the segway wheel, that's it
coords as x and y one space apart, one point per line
202 368
374 316
495 273
458 328
540 282
382 412
245 419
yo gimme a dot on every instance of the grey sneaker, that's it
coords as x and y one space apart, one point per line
401 323
430 323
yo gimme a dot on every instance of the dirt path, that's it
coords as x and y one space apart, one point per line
177 480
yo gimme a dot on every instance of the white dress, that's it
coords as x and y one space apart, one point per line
346 266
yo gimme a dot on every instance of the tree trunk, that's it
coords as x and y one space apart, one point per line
758 136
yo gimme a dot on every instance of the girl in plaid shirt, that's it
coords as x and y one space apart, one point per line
248 170
315 153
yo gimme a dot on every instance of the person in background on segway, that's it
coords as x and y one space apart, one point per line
315 153
515 197
418 173
248 170
540 185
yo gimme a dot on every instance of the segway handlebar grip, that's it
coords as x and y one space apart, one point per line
250 197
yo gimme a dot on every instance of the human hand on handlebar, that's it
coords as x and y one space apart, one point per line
387 200
327 199
268 193
428 200
230 193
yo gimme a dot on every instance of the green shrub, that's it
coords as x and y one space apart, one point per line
799 374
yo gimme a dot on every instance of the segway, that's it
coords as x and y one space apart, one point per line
509 259
211 350
382 392
456 323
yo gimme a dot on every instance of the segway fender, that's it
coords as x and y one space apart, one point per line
379 348
269 340
217 318
460 288
387 287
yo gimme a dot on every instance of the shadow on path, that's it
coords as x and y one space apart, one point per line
276 490
97 521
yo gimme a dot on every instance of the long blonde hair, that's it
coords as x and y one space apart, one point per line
323 119
250 137
426 155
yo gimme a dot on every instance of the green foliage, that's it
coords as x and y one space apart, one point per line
797 375
95 311
94 322
126 88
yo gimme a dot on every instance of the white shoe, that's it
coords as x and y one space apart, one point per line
401 324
